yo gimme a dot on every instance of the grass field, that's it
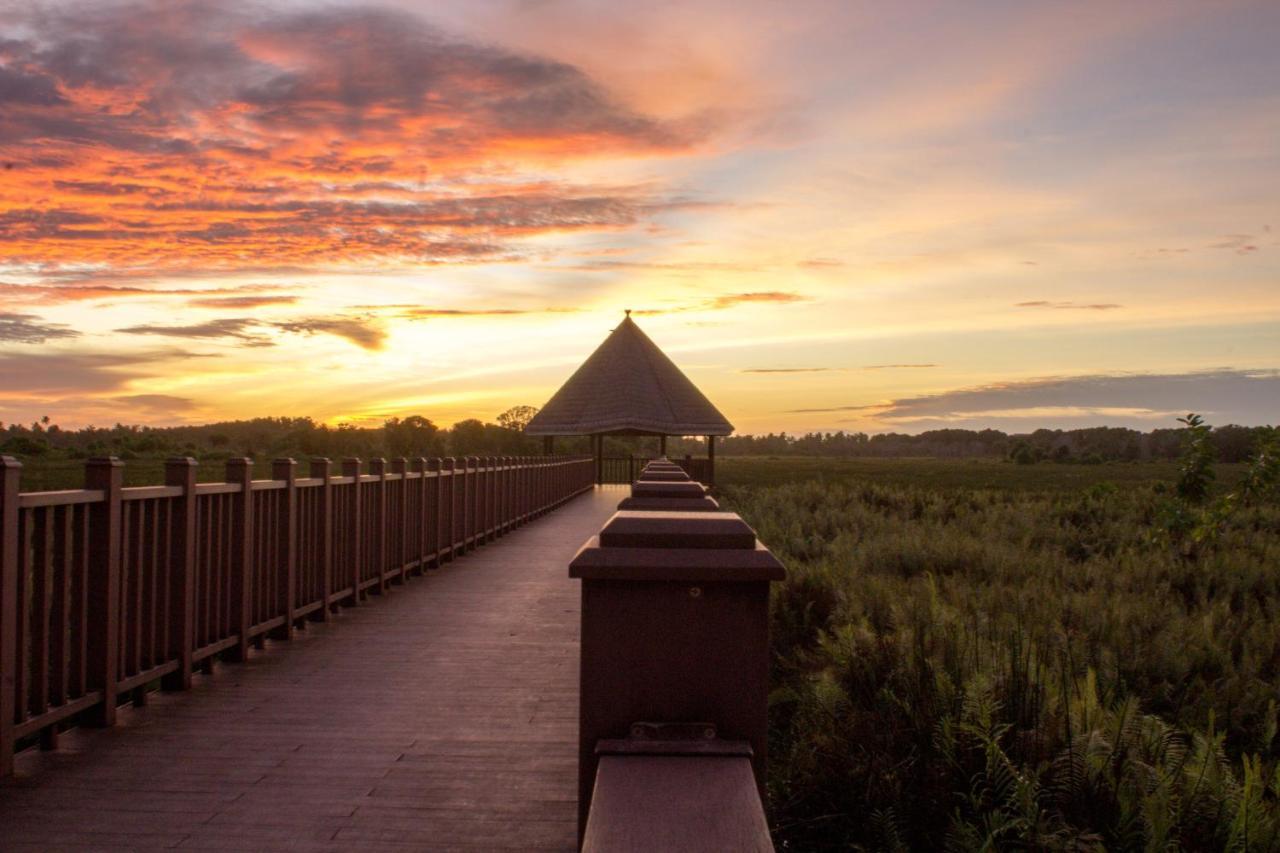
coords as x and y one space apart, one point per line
981 655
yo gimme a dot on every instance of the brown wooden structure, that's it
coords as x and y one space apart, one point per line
449 716
630 387
106 591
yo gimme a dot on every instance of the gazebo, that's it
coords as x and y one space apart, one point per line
629 387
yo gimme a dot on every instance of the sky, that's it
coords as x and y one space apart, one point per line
831 215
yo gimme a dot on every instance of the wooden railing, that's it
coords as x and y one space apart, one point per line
626 469
107 591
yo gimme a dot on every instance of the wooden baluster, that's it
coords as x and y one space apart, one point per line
351 468
322 469
287 575
181 472
400 523
437 521
10 566
240 472
378 468
448 506
105 474
420 522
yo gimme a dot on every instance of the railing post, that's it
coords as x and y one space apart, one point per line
240 472
449 507
437 522
287 469
675 622
181 472
394 530
468 503
321 469
491 498
378 468
420 523
10 482
351 468
105 474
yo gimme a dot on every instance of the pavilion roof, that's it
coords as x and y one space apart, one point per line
628 385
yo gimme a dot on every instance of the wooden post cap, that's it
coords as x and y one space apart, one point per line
657 476
702 504
724 530
656 489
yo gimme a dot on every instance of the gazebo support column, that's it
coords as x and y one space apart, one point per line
711 460
597 449
548 444
662 446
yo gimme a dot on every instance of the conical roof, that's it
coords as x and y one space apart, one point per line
628 385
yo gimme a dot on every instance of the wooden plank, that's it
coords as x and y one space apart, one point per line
678 804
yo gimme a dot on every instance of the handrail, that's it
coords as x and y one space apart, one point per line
83 628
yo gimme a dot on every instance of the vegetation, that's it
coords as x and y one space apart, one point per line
964 660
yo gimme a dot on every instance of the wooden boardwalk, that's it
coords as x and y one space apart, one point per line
441 718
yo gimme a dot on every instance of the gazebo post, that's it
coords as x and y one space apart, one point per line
711 460
597 447
662 446
548 444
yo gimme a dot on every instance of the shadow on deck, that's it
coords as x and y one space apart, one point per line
443 718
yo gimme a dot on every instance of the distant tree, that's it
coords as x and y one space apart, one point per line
412 436
517 418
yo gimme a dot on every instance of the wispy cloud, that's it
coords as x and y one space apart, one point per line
363 331
1226 396
729 300
30 329
790 369
241 301
898 366
1069 306
239 328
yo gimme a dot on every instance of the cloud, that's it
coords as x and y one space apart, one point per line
29 329
728 300
898 366
365 332
1241 244
732 300
181 135
24 374
1226 395
1069 306
151 405
789 369
239 328
361 331
241 301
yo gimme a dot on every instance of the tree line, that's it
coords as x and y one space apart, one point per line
416 435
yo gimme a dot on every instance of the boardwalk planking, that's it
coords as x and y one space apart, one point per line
441 718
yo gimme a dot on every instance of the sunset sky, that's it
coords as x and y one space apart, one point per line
861 216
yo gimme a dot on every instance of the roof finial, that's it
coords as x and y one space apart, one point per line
628 310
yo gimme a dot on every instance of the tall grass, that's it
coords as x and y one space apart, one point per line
1009 669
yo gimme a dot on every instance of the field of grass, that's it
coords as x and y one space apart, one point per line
981 655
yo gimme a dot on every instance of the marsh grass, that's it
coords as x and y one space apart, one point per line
1017 668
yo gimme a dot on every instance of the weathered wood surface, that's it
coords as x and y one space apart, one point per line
444 718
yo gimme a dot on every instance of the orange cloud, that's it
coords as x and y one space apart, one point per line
169 136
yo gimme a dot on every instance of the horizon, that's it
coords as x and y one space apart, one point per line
838 217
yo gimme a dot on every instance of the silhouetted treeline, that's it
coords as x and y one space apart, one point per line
264 438
1094 444
415 435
